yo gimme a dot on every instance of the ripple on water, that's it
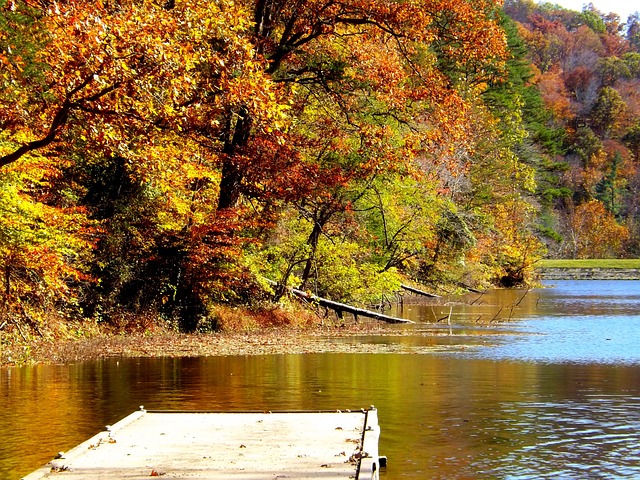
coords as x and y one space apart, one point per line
569 434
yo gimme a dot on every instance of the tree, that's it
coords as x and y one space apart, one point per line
506 244
553 89
596 234
633 30
142 92
587 145
587 77
401 216
608 189
632 139
44 248
611 69
606 112
593 19
190 129
146 82
375 85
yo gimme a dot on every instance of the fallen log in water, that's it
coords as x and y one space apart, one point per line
418 291
340 308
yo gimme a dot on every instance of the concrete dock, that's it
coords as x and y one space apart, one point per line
236 446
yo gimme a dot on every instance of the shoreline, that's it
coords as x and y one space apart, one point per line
264 340
268 341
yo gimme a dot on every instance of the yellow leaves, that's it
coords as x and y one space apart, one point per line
132 69
41 245
510 248
158 61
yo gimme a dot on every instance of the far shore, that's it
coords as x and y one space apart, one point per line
604 263
589 269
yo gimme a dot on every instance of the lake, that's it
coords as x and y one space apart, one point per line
510 384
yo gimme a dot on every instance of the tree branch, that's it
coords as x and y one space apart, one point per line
59 120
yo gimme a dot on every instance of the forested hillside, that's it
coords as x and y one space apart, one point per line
161 158
586 66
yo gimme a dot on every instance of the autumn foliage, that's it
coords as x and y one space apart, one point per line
596 233
166 157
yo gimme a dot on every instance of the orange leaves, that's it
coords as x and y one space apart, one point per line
467 32
595 232
206 106
44 249
371 93
127 75
140 69
555 95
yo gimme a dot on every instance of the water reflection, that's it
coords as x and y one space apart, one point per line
517 403
591 298
571 321
442 417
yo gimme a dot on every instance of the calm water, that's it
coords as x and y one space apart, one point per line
518 385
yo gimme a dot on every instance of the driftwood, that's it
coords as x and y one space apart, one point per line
418 291
471 289
340 308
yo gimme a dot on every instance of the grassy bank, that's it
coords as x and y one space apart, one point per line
591 263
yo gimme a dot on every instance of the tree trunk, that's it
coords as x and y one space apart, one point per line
340 308
7 281
313 240
236 136
263 18
417 291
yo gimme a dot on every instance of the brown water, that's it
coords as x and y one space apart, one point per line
549 388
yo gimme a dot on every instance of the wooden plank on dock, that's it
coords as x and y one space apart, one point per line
235 446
